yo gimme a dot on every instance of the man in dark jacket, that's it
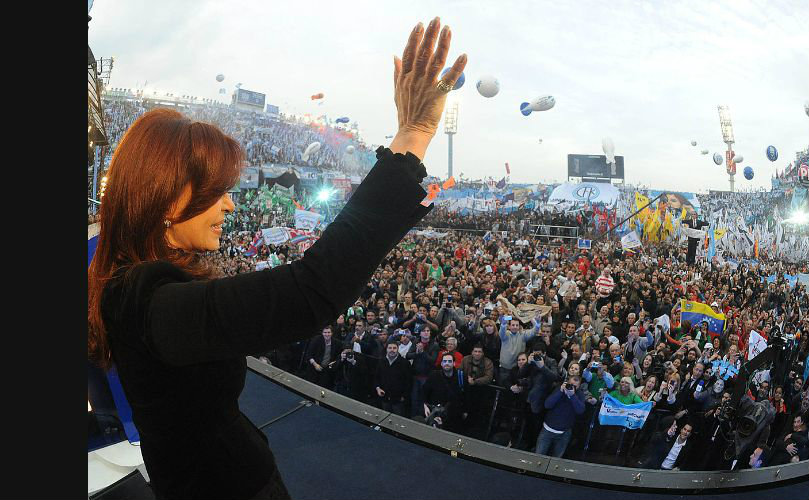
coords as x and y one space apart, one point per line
443 393
392 380
562 408
321 356
670 450
423 358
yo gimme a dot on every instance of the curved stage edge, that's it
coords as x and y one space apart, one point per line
330 446
387 437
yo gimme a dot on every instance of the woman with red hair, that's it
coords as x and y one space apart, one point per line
177 336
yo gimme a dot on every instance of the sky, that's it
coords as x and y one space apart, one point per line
648 74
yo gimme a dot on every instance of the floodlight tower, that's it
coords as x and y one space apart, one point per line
727 138
451 128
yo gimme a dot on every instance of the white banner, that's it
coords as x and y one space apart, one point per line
307 220
275 235
630 240
430 233
755 344
584 192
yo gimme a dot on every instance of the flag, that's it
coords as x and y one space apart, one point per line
253 248
630 240
613 412
697 312
501 183
711 241
755 345
755 248
508 170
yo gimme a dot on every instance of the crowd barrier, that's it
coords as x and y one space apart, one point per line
523 462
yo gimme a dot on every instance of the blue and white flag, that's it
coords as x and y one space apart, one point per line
307 220
582 243
613 412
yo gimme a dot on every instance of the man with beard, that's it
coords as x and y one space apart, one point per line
392 380
443 396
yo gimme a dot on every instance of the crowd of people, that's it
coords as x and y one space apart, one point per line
442 327
500 328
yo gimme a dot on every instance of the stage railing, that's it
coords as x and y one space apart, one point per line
523 462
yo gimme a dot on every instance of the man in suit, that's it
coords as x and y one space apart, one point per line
321 357
669 449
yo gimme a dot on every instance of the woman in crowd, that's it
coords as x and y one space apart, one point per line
178 337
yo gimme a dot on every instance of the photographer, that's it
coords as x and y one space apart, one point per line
597 378
443 396
562 408
351 378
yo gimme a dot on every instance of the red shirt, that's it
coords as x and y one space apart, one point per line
461 253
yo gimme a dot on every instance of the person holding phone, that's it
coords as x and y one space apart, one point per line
512 342
562 407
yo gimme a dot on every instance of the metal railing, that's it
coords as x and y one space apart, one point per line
523 462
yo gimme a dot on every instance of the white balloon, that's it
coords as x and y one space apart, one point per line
488 86
310 150
609 149
704 152
540 141
350 150
693 143
220 77
717 158
737 159
806 107
543 103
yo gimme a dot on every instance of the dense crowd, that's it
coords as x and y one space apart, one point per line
442 328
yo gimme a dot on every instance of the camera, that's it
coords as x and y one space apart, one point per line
569 386
350 356
595 366
524 382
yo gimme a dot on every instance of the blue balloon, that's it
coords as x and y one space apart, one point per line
748 173
772 153
525 108
342 119
459 83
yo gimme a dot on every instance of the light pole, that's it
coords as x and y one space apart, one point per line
450 128
727 138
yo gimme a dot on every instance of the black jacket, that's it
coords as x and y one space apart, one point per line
180 344
660 446
317 348
394 379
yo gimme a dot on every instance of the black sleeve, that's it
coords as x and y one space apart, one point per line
224 318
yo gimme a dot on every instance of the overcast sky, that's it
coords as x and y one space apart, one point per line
648 74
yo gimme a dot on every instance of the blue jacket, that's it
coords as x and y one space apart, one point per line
562 410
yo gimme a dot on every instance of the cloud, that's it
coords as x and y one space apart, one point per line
648 75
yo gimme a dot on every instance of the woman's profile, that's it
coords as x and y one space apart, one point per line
177 336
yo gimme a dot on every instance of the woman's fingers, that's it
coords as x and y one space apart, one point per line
440 55
426 48
455 72
409 53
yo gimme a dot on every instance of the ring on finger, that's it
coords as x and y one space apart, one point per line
443 86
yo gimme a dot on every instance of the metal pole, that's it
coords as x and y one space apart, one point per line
94 194
449 170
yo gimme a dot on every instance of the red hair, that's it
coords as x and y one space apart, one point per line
160 154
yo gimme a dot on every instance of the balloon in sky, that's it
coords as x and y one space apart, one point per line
717 158
342 119
543 103
748 173
704 152
693 143
806 107
350 150
310 150
540 141
525 108
737 159
772 153
488 86
388 137
220 77
609 149
222 90
459 83
317 96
